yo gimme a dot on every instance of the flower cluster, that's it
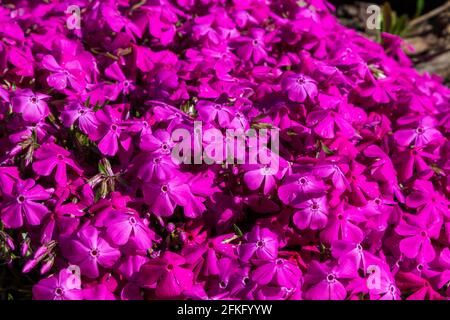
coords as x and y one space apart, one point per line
94 207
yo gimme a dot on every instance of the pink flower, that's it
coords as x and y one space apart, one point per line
278 271
164 196
168 274
121 227
87 122
64 286
299 87
312 214
22 203
123 85
32 106
113 132
88 250
342 225
418 232
325 123
50 156
260 243
325 281
69 72
252 48
210 111
300 187
420 136
206 256
427 200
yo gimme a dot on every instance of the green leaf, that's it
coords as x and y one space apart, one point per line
393 22
326 149
101 168
237 231
420 5
262 125
402 24
88 101
387 17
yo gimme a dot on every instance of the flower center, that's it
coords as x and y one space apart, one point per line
315 206
302 180
165 147
377 201
222 284
420 130
33 100
114 127
126 83
340 217
331 277
59 291
267 170
94 253
81 111
156 160
210 245
260 244
359 247
300 80
391 288
218 107
279 262
423 233
20 199
60 157
164 188
255 42
170 267
246 281
132 220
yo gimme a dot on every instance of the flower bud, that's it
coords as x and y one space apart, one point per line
47 265
40 252
29 265
24 248
170 227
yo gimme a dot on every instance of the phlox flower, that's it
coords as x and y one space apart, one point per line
23 203
31 105
418 231
299 87
88 250
68 72
325 281
278 271
50 156
311 213
260 243
168 274
63 286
